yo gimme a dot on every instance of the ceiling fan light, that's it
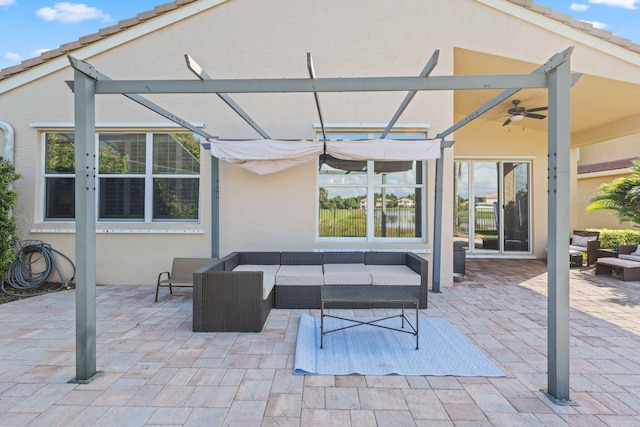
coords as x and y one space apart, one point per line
517 117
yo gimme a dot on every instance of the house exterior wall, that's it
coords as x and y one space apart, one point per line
249 39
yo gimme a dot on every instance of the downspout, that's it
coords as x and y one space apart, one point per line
9 141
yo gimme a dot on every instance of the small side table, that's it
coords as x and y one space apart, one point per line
575 258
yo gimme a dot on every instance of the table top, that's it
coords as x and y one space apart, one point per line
368 293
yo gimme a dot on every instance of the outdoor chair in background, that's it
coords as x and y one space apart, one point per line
586 241
181 274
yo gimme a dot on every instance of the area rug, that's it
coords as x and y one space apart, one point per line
368 350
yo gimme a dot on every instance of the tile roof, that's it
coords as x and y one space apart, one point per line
167 7
606 166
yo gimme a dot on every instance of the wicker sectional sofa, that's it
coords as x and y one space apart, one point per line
237 292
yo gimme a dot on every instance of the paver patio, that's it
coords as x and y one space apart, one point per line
158 372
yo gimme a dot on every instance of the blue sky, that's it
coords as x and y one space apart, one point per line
29 26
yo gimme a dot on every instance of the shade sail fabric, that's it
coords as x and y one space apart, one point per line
270 155
384 149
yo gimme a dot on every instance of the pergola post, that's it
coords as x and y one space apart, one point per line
558 233
437 221
85 210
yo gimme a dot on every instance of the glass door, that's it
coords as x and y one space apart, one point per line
491 206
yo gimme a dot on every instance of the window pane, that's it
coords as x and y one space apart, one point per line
398 173
59 153
60 198
176 154
343 212
122 153
329 175
121 198
397 212
175 198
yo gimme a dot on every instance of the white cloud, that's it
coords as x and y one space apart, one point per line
7 2
38 52
10 56
596 24
69 13
626 4
577 7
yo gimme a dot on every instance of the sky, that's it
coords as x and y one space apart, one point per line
28 27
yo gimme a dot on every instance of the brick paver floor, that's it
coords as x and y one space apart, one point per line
156 371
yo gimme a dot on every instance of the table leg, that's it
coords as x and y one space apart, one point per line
321 324
417 329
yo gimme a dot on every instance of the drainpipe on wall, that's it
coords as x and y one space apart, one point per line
9 141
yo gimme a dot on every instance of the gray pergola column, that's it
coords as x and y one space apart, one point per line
559 135
85 210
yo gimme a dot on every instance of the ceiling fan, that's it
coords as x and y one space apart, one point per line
517 113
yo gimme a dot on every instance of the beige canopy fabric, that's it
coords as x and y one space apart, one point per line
267 156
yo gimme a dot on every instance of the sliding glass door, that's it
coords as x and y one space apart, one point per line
491 206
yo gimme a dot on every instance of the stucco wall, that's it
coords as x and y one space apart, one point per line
249 39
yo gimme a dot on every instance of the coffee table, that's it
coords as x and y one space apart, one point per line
369 294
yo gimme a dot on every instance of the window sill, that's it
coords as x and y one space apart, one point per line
118 231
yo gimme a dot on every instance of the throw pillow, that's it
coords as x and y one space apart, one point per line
637 251
579 240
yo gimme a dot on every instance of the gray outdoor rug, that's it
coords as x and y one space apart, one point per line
368 350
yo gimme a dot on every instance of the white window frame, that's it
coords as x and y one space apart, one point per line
372 186
149 177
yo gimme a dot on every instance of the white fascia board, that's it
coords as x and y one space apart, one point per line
564 30
107 43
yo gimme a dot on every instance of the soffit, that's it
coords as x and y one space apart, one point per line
601 108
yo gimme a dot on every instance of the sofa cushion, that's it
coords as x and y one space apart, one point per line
582 240
630 257
346 274
299 275
268 275
393 275
577 248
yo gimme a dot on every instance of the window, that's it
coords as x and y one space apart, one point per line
370 200
142 177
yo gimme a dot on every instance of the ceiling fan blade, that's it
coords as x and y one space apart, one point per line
507 122
536 116
538 109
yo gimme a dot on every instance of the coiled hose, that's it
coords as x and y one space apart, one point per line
35 263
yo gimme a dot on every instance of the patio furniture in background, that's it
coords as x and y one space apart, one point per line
181 274
575 258
586 241
619 268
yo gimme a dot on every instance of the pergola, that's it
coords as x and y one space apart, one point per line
554 75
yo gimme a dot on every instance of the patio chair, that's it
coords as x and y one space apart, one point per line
181 274
586 241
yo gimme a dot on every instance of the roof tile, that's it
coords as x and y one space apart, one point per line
68 47
90 38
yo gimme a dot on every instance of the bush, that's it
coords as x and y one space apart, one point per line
614 238
8 197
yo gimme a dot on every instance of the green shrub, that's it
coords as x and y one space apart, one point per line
8 197
614 238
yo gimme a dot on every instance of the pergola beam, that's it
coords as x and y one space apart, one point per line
89 71
312 74
332 84
431 64
202 75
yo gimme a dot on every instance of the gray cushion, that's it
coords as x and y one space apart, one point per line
630 257
300 275
393 275
268 276
346 274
